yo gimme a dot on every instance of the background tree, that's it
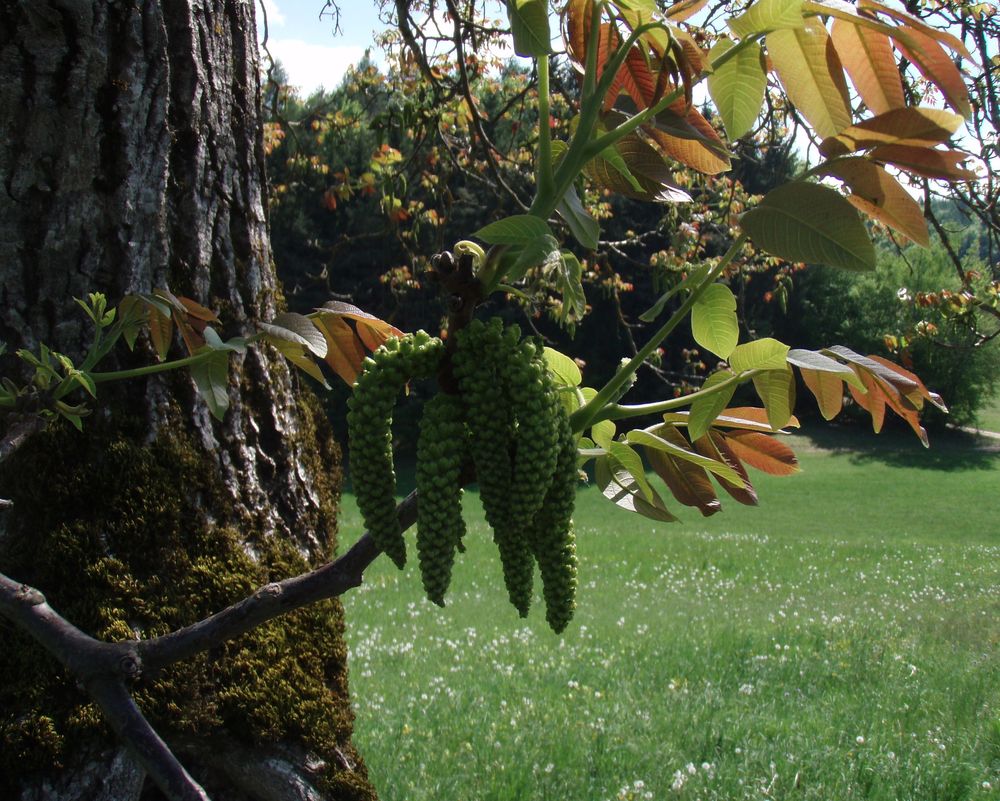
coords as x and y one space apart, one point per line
643 246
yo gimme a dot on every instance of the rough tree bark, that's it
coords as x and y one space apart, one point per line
131 159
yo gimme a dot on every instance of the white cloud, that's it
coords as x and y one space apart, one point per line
310 66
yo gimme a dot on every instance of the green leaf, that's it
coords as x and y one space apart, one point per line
585 229
519 229
737 87
694 277
564 368
713 320
529 26
85 381
777 389
603 433
656 309
211 377
214 341
531 255
620 488
810 223
86 307
761 354
768 15
626 458
706 408
131 314
296 354
74 419
569 281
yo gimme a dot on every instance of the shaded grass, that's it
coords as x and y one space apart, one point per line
840 641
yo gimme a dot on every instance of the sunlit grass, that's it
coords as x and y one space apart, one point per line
840 641
989 417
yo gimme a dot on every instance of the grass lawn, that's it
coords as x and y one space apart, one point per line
989 417
838 642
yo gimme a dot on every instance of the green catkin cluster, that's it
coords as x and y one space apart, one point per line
480 375
441 447
532 396
369 433
551 532
482 366
509 418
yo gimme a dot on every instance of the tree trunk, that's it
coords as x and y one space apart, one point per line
131 159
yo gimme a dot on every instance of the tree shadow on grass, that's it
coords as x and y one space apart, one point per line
950 450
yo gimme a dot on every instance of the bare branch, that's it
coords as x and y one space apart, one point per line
101 667
135 731
271 600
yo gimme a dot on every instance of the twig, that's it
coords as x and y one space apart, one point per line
18 434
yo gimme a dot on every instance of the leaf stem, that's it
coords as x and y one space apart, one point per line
543 170
152 369
621 412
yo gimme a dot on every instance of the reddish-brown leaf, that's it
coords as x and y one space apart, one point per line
868 58
828 389
763 452
637 79
881 394
912 23
688 482
684 9
922 390
193 339
881 197
943 165
199 312
685 135
373 331
895 378
713 446
749 417
872 401
577 17
694 55
916 127
161 331
344 352
937 67
645 165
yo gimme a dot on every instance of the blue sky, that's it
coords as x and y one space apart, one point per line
307 46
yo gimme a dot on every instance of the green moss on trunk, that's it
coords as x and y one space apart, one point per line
131 540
